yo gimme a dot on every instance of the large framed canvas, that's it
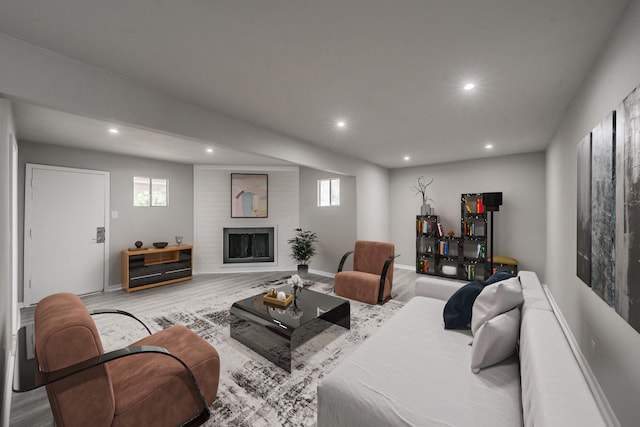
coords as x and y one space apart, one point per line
583 253
627 290
603 204
608 240
249 195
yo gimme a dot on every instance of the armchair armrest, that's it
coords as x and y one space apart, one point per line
114 311
383 277
342 261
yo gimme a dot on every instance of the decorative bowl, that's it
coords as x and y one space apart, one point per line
160 244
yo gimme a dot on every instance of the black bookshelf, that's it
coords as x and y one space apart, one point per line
458 257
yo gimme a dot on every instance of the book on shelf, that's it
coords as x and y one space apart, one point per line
425 226
444 248
470 228
467 205
471 272
423 265
440 229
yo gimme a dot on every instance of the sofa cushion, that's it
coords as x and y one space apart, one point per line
428 383
457 310
495 340
436 287
495 299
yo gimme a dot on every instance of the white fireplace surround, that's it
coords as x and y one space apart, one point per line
212 208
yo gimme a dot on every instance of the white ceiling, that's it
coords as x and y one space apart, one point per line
393 69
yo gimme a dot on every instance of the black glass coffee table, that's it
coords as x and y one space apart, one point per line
274 332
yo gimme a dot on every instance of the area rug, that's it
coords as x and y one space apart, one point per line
253 391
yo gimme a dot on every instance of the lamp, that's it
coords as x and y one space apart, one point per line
491 202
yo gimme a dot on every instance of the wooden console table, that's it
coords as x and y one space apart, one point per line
147 268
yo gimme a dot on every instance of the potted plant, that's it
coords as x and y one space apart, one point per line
303 248
421 189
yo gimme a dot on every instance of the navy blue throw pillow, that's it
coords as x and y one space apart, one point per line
497 277
457 311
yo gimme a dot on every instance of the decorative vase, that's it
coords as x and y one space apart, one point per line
303 270
425 209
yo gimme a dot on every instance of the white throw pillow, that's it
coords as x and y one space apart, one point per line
495 340
495 299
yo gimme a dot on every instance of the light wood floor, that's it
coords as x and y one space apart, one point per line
32 408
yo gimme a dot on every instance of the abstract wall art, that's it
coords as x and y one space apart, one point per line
583 255
608 209
603 202
627 290
249 195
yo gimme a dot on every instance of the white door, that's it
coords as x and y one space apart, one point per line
66 231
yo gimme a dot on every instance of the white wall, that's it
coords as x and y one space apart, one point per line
212 201
148 224
336 226
373 202
519 225
615 357
8 291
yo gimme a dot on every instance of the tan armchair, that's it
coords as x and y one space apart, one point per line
166 379
372 277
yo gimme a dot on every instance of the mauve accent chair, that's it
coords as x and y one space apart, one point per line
166 379
371 279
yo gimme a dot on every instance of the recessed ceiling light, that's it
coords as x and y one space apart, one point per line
469 86
407 158
488 146
209 150
341 124
114 131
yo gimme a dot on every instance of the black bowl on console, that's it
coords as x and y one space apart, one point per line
160 244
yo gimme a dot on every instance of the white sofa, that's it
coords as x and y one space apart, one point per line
413 372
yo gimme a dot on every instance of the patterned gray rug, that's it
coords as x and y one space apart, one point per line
253 391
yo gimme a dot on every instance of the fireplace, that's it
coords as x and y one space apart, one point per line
248 245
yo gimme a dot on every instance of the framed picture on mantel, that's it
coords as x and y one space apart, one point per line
249 195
